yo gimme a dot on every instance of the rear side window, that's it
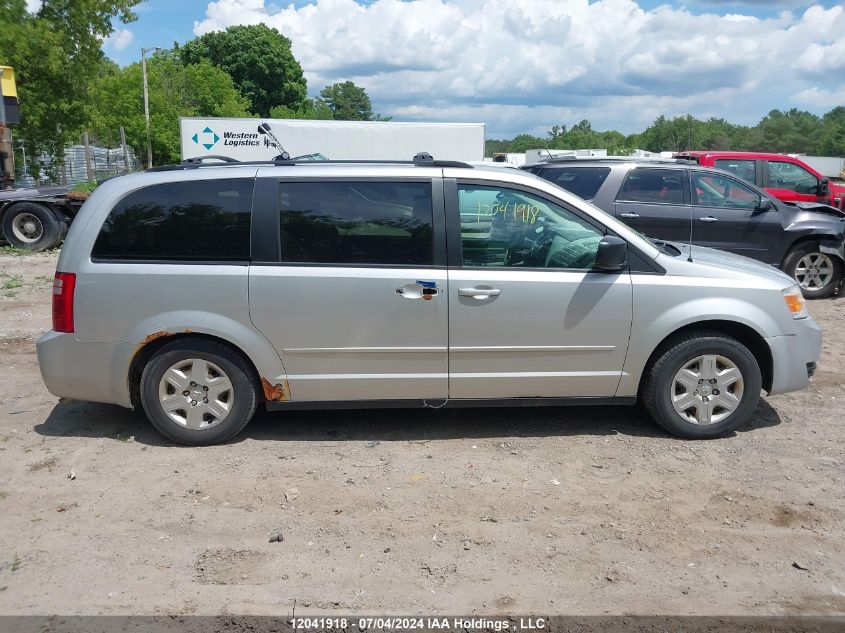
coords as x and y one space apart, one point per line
584 182
356 223
205 220
745 169
661 186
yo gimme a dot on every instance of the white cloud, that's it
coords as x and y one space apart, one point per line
524 65
120 39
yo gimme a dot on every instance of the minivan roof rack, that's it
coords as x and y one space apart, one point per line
423 159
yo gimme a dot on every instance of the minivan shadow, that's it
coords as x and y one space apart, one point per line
86 419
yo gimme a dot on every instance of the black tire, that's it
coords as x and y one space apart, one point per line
244 391
46 231
790 265
658 384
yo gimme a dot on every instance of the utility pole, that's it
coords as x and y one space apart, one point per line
144 52
123 145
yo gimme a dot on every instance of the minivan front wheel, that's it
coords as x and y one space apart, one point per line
198 392
702 385
818 274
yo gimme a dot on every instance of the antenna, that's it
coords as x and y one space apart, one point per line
264 128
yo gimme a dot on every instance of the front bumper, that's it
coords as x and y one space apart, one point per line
98 372
794 357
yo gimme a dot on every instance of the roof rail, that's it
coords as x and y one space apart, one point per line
609 159
423 159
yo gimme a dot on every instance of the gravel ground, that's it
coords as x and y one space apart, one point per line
556 511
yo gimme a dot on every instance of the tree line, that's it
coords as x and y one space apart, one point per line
791 131
67 85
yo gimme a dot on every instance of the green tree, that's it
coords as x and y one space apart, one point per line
833 133
792 131
56 52
310 109
347 102
259 61
176 90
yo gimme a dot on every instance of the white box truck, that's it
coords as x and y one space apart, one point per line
241 140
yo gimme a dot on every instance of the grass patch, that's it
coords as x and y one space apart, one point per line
16 563
14 282
44 463
13 250
3 494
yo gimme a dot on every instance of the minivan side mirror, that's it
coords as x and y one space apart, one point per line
765 205
612 255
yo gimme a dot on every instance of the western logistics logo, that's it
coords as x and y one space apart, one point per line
207 138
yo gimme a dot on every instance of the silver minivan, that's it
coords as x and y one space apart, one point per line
200 291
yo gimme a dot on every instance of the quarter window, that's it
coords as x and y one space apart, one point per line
713 190
791 176
584 182
356 223
204 220
745 169
660 186
509 228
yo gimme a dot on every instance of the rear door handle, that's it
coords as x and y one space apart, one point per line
709 219
426 290
479 293
630 216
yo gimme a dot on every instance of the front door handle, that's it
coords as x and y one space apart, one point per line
479 293
709 219
630 216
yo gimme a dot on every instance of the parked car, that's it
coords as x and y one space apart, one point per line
677 201
785 177
199 292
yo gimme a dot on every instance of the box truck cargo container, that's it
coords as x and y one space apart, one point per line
337 140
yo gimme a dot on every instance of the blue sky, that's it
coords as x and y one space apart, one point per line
524 66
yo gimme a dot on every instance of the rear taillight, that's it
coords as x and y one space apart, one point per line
63 286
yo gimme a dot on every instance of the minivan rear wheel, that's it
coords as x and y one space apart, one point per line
702 385
818 274
198 392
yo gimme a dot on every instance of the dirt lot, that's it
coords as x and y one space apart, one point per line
577 511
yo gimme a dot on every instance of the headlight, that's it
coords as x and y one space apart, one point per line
795 302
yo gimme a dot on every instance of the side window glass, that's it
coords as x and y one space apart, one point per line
202 220
661 186
356 223
584 182
745 169
503 227
714 190
791 176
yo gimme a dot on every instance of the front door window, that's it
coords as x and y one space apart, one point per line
503 227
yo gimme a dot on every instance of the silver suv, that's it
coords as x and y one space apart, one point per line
200 291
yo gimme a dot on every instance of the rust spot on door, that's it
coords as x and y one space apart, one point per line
275 393
154 336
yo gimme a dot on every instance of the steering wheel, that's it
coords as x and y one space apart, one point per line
540 248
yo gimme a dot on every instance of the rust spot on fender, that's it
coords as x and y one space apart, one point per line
278 393
154 336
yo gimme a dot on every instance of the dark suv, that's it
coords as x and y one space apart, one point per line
677 201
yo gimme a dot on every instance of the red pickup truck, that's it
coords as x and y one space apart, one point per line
785 177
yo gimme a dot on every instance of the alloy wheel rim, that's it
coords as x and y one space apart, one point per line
196 394
707 389
814 271
27 228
